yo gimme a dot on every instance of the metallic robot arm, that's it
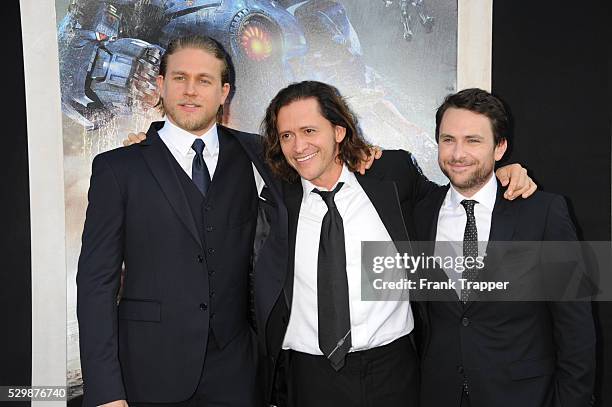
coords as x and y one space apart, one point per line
102 75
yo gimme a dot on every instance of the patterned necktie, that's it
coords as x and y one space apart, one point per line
470 244
332 285
199 170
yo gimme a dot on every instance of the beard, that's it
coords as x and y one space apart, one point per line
473 181
191 123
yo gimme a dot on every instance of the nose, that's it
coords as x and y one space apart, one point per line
190 88
458 151
300 144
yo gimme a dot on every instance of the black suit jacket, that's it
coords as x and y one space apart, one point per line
393 184
512 353
151 346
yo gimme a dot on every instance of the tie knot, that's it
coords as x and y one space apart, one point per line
328 196
198 146
468 204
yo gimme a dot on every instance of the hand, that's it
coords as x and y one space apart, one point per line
116 403
519 183
134 138
367 161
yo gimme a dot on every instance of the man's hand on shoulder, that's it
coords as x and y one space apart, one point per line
134 138
367 161
519 183
116 403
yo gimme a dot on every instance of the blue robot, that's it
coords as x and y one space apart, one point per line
110 49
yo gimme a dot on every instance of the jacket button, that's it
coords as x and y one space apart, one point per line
200 258
207 208
465 321
212 316
203 306
211 250
460 369
210 228
211 272
212 294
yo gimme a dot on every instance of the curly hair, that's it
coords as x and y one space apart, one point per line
353 148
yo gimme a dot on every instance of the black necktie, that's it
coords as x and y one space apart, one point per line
332 285
199 170
470 244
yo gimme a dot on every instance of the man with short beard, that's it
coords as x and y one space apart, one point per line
179 211
325 346
505 354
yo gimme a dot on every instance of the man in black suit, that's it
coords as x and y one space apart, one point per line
324 345
179 211
496 353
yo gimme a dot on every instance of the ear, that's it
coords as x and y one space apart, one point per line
225 90
340 133
160 83
500 149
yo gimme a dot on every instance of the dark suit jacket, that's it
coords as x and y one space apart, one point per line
151 346
394 184
512 353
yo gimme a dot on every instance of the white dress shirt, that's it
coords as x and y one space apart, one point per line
452 220
373 323
179 143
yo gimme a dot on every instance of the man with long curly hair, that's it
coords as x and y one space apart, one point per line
325 345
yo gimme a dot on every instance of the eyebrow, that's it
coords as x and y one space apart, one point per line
467 136
300 128
203 74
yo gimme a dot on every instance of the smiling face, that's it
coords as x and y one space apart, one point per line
466 149
310 142
192 90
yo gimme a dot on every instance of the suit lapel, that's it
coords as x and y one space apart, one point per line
158 159
436 204
384 198
293 194
254 151
503 218
439 274
426 219
503 222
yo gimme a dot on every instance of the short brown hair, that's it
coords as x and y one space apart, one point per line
478 101
353 148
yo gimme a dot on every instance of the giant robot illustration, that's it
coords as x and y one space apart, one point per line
110 52
109 58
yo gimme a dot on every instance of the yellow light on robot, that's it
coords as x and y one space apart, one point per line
256 43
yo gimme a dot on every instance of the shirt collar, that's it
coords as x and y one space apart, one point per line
485 196
182 140
345 176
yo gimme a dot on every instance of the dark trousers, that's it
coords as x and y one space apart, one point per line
383 376
228 376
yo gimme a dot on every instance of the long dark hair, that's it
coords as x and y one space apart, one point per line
353 148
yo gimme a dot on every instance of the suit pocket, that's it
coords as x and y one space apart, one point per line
140 310
525 369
